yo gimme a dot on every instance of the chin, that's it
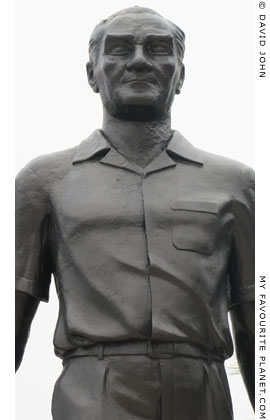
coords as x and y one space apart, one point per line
137 106
138 112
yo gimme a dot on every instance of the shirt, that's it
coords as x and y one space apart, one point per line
159 253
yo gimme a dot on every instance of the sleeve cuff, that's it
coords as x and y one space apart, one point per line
30 287
244 295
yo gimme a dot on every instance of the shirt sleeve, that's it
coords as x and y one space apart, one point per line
32 251
242 258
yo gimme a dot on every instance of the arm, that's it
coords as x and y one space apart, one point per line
26 307
241 278
33 257
243 323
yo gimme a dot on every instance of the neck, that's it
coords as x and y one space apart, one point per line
138 141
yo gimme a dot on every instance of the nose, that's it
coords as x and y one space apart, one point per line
138 61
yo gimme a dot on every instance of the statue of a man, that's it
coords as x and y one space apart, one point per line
150 242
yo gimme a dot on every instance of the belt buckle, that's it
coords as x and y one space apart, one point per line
160 350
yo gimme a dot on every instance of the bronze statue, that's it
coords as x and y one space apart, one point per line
149 239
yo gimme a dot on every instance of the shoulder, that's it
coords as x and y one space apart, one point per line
46 168
224 164
49 165
229 170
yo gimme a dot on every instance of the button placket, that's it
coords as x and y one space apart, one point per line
147 250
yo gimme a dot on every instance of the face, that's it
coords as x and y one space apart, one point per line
137 71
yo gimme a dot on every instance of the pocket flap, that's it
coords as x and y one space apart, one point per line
199 206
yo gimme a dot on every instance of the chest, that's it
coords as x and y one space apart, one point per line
185 199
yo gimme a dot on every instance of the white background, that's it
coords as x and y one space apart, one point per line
55 109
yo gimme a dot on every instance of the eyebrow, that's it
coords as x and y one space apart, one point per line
131 37
160 37
125 37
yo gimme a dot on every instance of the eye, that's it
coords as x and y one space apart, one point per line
159 48
121 48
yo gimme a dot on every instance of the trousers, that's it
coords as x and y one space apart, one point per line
139 387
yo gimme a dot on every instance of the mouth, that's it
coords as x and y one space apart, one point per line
140 81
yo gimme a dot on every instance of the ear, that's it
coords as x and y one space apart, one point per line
91 77
181 80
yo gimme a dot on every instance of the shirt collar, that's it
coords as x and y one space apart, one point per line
96 143
180 146
89 147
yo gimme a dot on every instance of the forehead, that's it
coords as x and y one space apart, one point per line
138 25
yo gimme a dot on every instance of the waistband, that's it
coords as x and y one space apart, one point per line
153 349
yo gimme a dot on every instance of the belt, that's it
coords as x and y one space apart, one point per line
153 349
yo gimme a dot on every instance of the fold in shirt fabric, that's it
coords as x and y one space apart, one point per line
156 254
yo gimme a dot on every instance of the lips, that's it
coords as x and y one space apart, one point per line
138 80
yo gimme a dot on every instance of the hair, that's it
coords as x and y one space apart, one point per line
98 32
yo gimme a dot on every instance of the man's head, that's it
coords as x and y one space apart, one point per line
135 63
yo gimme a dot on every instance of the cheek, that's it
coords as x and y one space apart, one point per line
112 71
107 73
169 71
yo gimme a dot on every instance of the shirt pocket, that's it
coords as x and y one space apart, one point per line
195 226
